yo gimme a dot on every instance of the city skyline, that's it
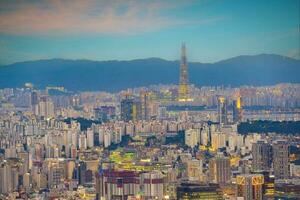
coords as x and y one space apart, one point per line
128 99
126 30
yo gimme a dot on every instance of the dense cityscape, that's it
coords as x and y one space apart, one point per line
157 142
149 100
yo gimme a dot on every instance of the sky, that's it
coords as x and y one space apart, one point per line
213 30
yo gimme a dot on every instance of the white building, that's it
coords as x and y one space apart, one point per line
90 138
192 137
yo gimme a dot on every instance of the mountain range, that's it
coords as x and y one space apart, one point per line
80 75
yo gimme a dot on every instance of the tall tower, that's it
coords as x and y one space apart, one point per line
184 79
144 101
222 110
281 159
237 114
262 156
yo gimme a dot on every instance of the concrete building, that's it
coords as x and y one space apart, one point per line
262 156
250 186
281 159
196 191
153 185
219 170
192 137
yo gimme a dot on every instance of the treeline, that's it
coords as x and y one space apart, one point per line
178 139
84 123
284 127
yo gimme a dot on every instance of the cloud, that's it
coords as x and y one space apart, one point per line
88 16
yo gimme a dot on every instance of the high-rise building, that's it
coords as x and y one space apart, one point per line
82 169
153 185
105 113
281 159
190 191
183 90
111 184
34 98
218 140
194 170
45 108
90 138
222 110
237 110
24 157
192 137
219 170
54 175
144 105
5 178
269 184
250 186
262 156
129 110
82 142
26 181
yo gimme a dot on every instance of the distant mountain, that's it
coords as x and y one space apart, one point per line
264 69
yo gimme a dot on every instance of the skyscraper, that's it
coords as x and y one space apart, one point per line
281 159
45 107
184 79
54 175
34 98
237 110
222 110
249 186
111 184
129 110
152 184
269 185
5 178
144 105
192 137
262 156
219 170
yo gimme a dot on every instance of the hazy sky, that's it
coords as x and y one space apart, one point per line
117 29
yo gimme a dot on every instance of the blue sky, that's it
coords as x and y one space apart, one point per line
108 30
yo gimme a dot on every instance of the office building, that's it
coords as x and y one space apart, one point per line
183 90
129 110
262 156
196 191
144 110
105 113
219 170
34 98
250 186
281 159
237 110
222 110
269 184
